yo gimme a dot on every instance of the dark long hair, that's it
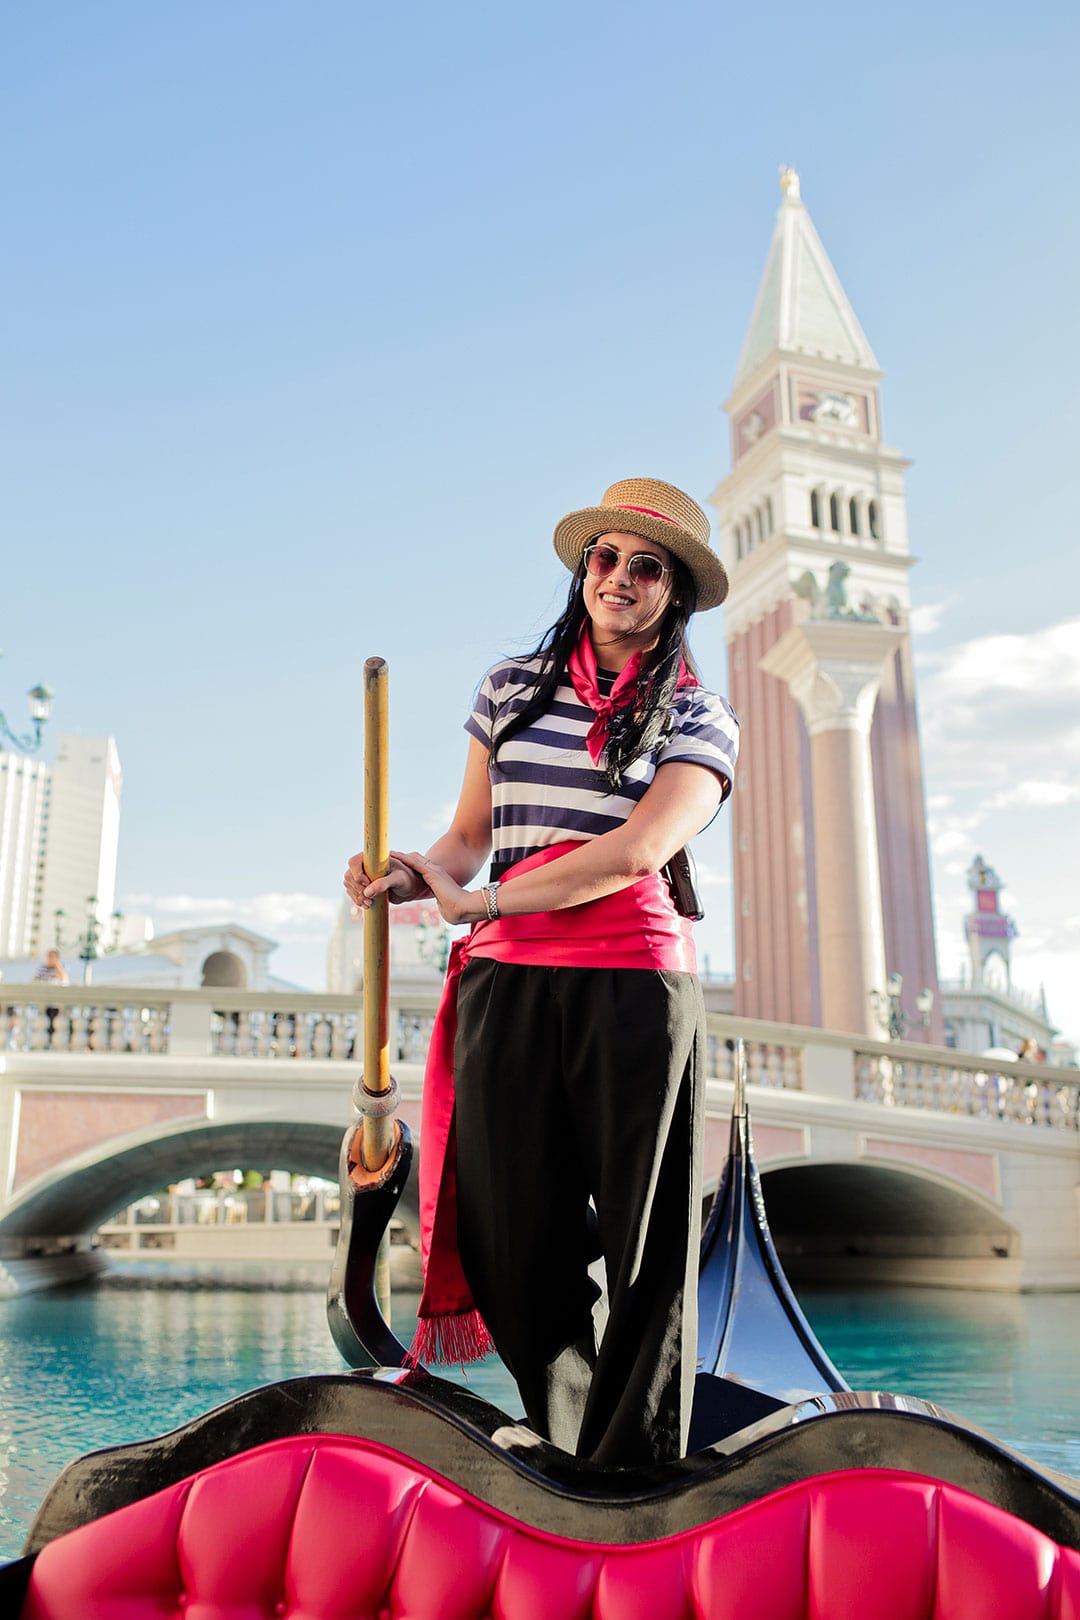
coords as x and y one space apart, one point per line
634 729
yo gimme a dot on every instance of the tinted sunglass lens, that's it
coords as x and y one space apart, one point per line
647 570
601 560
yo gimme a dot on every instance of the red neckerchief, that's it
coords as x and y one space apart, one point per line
581 668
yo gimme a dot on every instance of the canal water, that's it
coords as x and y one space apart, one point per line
149 1346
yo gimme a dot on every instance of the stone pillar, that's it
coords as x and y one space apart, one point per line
833 669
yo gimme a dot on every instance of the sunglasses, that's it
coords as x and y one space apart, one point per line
642 566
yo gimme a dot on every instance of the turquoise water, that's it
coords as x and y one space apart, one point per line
148 1347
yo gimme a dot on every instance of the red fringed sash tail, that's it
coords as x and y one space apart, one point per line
449 1328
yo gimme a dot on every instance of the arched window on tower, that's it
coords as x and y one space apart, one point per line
768 515
872 519
738 542
815 509
758 530
834 514
853 516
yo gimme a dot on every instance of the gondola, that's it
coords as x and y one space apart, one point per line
388 1492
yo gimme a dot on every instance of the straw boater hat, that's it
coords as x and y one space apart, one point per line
658 512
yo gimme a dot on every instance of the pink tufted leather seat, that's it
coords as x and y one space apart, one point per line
332 1528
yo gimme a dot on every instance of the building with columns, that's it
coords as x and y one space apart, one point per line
831 868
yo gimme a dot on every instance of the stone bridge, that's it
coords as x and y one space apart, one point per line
881 1162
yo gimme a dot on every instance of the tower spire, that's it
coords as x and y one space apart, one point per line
801 306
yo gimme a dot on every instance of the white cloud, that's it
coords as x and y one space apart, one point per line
1006 707
926 618
1000 721
951 831
1035 795
189 905
285 917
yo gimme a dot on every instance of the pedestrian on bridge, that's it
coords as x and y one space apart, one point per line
563 1094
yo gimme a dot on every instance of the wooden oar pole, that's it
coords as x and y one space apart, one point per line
378 1132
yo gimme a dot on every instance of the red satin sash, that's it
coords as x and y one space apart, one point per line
636 928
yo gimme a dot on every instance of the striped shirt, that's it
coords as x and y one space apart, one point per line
545 788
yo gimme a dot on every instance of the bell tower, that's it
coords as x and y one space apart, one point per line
832 880
988 930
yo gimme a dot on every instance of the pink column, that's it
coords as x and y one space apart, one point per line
833 669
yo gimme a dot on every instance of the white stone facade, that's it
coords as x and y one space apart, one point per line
59 836
83 837
25 791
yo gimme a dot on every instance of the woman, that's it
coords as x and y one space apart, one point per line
565 1072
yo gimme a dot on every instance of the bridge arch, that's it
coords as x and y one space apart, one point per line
867 1221
63 1208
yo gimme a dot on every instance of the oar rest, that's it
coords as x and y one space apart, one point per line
329 1528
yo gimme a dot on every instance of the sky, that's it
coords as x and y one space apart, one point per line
315 319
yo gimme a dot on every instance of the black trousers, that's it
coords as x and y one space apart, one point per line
575 1084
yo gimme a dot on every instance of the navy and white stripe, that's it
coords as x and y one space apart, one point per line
545 788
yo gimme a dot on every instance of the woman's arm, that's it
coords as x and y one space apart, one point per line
460 852
677 804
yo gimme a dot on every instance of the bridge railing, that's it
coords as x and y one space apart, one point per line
1027 1093
267 1025
69 1018
774 1052
897 1074
278 1025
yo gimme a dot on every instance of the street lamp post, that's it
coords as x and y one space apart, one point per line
89 942
892 1015
89 952
40 701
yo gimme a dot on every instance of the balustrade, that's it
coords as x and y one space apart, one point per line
1007 1092
219 1206
125 1024
768 1063
71 1020
275 1026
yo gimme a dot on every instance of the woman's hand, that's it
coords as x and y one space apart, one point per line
456 905
402 882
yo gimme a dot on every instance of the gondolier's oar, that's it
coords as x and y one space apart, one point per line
377 1150
378 1129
